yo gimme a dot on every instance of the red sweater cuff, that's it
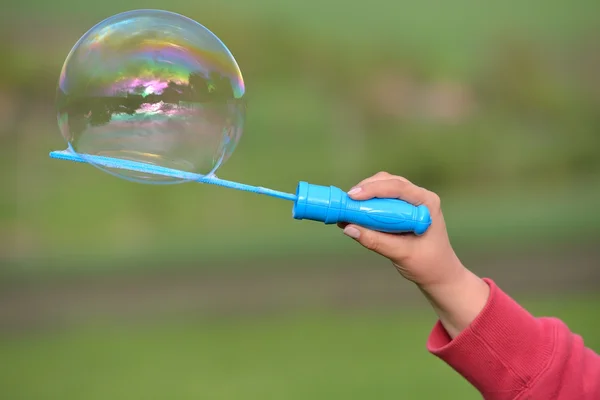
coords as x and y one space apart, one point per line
503 349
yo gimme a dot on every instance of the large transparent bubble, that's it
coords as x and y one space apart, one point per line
154 87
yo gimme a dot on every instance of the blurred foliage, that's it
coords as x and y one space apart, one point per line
487 105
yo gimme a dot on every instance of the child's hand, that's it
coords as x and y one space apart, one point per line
425 260
455 293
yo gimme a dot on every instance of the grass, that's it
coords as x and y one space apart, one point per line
316 355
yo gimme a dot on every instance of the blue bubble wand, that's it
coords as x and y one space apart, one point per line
327 204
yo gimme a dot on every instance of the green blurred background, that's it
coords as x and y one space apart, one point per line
110 289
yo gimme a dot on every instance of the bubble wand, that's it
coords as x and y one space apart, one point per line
327 204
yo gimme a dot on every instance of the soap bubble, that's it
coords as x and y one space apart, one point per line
154 87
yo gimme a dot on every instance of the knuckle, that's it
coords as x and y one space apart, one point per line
434 199
401 187
382 174
384 188
399 184
370 242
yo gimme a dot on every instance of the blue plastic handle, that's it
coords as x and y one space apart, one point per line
331 205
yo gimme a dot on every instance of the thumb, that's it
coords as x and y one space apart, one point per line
379 242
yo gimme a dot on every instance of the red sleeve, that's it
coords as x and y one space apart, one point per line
508 354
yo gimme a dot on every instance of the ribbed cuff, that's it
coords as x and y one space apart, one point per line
503 349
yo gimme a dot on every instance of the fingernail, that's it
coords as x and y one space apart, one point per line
352 232
354 190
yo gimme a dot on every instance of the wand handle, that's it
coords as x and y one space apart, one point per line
331 205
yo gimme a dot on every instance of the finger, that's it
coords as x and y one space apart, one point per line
380 176
391 189
386 244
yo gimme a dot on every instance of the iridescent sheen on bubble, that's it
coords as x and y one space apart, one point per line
155 87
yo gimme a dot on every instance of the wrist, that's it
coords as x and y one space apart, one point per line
454 277
457 301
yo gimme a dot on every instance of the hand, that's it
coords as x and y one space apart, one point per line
455 293
425 260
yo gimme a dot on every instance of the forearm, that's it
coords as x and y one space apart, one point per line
458 302
505 352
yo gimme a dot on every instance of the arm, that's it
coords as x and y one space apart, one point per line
501 349
508 354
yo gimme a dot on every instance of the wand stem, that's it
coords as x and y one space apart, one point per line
117 163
